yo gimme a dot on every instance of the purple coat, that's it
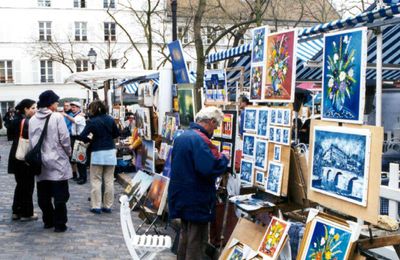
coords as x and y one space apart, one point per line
56 147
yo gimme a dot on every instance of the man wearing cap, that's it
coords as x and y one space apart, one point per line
52 182
78 124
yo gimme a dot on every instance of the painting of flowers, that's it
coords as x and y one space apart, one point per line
280 67
274 238
343 90
258 47
256 82
326 240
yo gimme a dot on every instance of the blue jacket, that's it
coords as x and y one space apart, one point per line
196 163
104 132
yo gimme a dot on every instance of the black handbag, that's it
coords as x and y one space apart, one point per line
34 157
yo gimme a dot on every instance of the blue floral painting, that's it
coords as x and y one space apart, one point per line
273 181
327 240
344 66
340 162
248 145
258 46
262 122
261 154
249 123
246 171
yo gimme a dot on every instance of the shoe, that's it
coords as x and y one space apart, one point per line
15 216
95 211
60 229
47 226
80 182
31 218
106 210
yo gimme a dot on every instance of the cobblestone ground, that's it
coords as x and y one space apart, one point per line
88 236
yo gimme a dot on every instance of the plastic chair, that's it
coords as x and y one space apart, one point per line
140 246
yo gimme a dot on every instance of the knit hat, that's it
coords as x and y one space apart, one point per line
47 98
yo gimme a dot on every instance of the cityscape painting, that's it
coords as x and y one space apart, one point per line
273 182
250 116
246 171
262 122
261 154
248 145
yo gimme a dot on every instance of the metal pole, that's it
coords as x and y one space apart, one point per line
379 45
174 5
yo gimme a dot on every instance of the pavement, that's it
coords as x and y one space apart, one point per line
88 236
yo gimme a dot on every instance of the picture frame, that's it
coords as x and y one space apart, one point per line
277 153
187 103
278 135
273 182
271 135
260 154
227 149
140 184
247 171
262 121
236 253
273 116
260 178
227 126
143 122
279 116
250 116
147 152
286 134
215 86
259 44
274 238
256 83
157 195
248 144
287 117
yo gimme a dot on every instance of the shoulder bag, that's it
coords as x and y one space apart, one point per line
79 150
23 144
34 157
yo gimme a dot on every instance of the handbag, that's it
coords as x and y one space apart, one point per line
23 144
34 157
79 152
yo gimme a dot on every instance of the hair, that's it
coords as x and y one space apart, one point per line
244 99
25 103
97 107
209 113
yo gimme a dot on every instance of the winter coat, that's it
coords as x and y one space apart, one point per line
14 128
56 147
196 163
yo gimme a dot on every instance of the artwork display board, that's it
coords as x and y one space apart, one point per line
343 168
215 86
187 102
157 196
344 70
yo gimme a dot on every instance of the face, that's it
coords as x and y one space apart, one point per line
29 112
74 108
67 106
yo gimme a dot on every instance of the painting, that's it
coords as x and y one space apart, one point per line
261 154
218 131
227 126
249 123
279 116
187 104
140 184
278 135
248 144
170 125
143 122
246 171
262 122
227 149
147 155
326 240
274 238
286 136
271 134
215 85
217 144
287 117
157 195
236 253
340 162
178 62
343 82
273 182
258 46
273 116
277 153
256 82
280 67
260 177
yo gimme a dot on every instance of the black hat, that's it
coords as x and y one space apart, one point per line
47 98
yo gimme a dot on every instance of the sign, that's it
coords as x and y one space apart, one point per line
178 62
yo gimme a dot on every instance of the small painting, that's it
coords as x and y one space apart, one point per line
260 178
258 46
250 119
286 136
277 153
271 134
187 104
286 117
273 116
273 182
274 238
170 125
140 183
143 122
236 253
218 131
217 144
157 195
167 166
227 126
246 171
146 152
227 149
215 85
278 135
256 82
262 122
279 116
261 154
248 145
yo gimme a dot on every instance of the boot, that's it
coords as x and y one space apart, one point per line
75 176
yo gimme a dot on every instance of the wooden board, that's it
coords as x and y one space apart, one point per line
371 211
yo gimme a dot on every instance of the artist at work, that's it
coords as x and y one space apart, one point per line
196 163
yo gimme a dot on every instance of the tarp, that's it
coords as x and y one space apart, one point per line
107 74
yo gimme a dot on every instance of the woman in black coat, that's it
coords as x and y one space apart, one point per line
22 207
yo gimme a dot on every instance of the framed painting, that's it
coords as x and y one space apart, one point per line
170 125
285 136
271 134
273 182
217 144
273 115
248 145
215 85
147 155
157 195
167 166
325 239
227 149
279 116
343 78
250 116
236 253
179 64
261 154
277 153
256 83
218 131
186 103
246 171
280 67
227 126
340 162
258 44
278 135
260 178
140 183
143 122
262 121
287 117
274 238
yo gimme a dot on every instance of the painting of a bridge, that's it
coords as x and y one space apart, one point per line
340 162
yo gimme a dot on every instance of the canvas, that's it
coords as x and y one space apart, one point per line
227 126
262 122
258 44
236 253
227 149
246 171
271 135
147 155
340 162
274 238
277 153
143 122
148 94
140 184
157 195
215 85
248 145
286 136
261 154
278 135
256 82
170 125
287 117
217 144
280 67
250 116
178 62
279 116
187 104
326 240
273 115
167 166
260 177
273 182
344 69
218 131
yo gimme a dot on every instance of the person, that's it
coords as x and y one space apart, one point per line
100 131
22 208
52 182
78 123
67 110
8 117
196 164
243 102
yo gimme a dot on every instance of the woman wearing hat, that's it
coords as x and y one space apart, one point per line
22 207
52 182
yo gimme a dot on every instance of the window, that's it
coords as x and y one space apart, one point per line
112 63
109 32
215 65
44 3
109 3
5 105
80 31
46 71
45 31
6 73
79 3
189 65
209 35
183 34
82 65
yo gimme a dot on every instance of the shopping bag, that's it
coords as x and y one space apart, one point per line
79 152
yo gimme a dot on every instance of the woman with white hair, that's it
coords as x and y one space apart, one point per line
196 164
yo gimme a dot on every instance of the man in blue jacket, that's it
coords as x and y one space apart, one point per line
196 163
